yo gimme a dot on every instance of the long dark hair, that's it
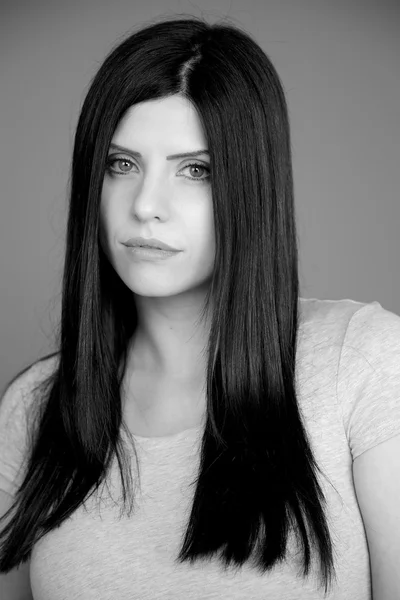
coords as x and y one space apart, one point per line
256 459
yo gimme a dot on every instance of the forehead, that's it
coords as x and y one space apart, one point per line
173 120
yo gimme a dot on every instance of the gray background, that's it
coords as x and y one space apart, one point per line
339 63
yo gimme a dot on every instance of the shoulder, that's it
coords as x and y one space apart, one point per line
336 312
371 345
42 367
373 328
17 409
18 392
323 325
356 325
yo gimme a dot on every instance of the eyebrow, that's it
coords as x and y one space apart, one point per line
170 157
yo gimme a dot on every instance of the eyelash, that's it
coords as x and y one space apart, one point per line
112 160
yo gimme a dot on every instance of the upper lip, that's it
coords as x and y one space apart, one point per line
152 242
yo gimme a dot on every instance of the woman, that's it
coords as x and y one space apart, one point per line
245 405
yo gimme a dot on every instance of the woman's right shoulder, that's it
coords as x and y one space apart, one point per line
18 390
32 374
18 405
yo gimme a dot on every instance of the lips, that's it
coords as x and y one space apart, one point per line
151 243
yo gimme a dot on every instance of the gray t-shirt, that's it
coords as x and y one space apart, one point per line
348 377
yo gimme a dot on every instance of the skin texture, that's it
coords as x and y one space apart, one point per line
376 475
153 198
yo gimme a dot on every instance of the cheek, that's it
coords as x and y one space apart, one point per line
205 243
211 232
202 230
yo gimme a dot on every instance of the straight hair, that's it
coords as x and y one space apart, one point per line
257 478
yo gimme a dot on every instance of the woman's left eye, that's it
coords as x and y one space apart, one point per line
113 160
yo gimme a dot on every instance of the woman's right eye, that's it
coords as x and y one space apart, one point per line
118 159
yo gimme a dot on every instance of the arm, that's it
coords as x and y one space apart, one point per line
376 475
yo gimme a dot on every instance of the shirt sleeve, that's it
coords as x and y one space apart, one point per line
15 420
368 385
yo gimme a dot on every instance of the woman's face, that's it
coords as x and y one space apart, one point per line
155 197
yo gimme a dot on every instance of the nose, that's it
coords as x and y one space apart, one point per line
151 198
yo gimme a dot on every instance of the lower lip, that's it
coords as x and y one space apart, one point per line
150 253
